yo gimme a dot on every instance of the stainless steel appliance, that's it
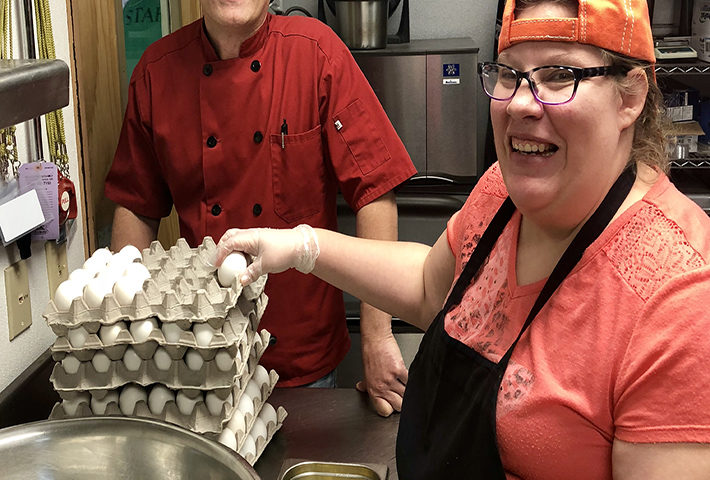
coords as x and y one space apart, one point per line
428 89
362 24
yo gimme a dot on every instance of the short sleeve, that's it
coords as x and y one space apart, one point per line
367 155
662 393
135 180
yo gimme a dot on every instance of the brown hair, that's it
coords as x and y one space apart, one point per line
650 144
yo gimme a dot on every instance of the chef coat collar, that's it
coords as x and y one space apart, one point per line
250 45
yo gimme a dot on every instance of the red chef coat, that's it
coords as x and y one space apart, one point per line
206 135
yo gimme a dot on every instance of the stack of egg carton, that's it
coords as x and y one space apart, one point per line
156 335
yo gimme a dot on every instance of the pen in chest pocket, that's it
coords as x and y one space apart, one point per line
284 132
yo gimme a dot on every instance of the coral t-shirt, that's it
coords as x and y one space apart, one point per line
620 351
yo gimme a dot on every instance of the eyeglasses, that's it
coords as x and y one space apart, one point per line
550 84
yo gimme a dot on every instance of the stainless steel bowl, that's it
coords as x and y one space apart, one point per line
362 24
115 448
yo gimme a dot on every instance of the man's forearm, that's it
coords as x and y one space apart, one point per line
131 229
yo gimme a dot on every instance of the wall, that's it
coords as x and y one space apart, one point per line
17 355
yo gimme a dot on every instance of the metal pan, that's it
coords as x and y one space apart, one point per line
115 448
311 470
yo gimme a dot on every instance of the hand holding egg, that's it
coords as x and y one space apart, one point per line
231 269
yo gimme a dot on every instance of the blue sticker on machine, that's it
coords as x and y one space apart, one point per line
451 70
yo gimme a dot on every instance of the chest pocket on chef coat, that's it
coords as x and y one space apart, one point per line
298 174
359 131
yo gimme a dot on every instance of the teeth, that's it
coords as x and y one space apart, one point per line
543 148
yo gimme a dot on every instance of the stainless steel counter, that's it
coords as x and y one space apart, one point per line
333 425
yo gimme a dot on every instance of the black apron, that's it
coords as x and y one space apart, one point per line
447 429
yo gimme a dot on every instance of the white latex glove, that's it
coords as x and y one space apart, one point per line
272 250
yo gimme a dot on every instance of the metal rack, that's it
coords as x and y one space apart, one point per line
682 68
693 160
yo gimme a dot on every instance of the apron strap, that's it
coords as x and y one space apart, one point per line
589 232
481 252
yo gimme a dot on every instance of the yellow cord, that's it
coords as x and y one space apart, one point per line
54 121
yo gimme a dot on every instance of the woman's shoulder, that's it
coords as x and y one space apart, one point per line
667 235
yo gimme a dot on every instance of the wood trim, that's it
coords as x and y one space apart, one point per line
190 10
99 108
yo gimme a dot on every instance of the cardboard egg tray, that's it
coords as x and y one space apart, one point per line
76 403
178 375
230 331
261 442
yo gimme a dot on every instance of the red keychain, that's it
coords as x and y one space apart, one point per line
67 198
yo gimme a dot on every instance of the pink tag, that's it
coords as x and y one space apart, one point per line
42 177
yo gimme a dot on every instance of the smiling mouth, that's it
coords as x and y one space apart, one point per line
534 148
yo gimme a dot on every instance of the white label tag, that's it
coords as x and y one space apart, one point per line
338 125
452 81
42 177
19 216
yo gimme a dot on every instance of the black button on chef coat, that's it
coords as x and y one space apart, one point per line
256 210
258 137
211 142
255 66
216 209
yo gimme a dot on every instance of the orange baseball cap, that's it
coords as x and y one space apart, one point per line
621 26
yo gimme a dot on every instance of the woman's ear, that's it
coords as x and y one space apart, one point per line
634 89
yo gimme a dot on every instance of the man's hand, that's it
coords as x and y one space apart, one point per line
385 374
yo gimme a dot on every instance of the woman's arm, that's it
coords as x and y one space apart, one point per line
660 461
407 280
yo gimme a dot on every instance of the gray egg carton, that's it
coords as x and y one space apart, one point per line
183 286
177 376
200 420
229 331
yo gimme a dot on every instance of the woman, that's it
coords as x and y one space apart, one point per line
572 341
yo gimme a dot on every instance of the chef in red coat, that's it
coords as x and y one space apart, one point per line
246 119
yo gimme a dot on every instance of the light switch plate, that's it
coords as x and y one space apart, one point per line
17 293
57 270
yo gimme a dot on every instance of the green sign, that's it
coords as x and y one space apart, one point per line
141 27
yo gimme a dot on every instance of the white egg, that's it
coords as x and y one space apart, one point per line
71 406
228 438
141 329
102 255
248 447
94 266
185 403
223 360
101 362
98 405
261 376
258 429
95 291
246 405
137 270
214 403
109 333
131 360
171 332
232 268
253 390
268 414
77 336
193 360
81 276
70 364
131 252
159 396
131 394
203 334
237 423
65 294
118 263
125 290
162 359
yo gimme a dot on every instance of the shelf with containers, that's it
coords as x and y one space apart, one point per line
691 170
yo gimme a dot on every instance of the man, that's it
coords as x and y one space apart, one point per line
245 119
